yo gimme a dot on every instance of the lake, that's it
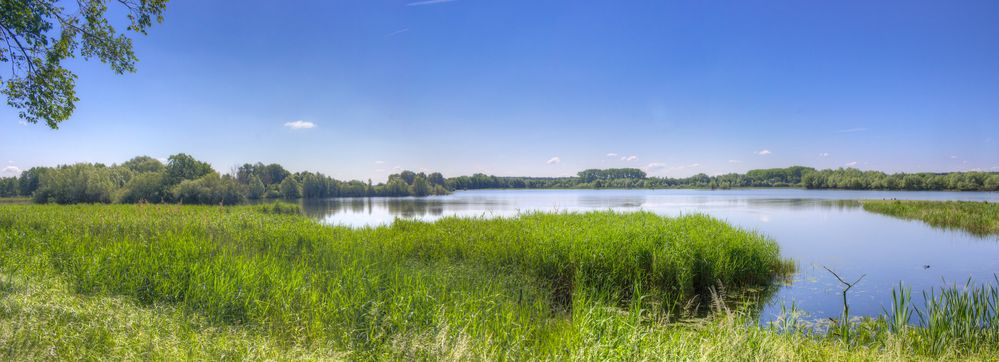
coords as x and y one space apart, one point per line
814 227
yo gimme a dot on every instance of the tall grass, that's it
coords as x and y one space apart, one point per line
264 282
507 286
978 218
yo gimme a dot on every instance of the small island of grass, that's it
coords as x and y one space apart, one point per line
979 218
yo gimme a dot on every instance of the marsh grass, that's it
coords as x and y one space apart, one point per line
978 218
505 286
155 282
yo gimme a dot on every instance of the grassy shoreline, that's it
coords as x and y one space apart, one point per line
978 218
263 282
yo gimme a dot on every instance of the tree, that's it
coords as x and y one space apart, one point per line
39 34
256 188
420 187
144 164
290 189
28 182
182 167
209 189
144 187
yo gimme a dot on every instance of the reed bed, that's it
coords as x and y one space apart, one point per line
978 218
128 282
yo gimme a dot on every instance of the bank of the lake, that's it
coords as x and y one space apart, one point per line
262 282
979 218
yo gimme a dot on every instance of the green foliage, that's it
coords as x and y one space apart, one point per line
41 34
144 187
142 164
8 187
182 167
255 189
591 175
257 181
503 286
264 282
208 189
979 218
279 208
290 189
80 183
794 176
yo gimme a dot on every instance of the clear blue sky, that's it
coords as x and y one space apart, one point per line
544 88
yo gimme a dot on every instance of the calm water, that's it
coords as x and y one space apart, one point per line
814 227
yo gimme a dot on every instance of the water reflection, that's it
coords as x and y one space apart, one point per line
815 228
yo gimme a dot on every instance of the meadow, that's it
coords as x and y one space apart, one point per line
979 218
264 282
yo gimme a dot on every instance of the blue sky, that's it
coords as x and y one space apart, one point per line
543 88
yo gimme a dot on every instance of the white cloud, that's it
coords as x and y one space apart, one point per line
852 130
734 161
11 170
429 2
300 124
677 168
851 164
22 122
612 154
379 162
655 166
824 154
763 152
629 158
397 32
554 160
953 157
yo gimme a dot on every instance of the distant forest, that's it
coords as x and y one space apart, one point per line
183 179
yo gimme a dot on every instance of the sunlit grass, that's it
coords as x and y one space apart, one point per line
979 218
264 282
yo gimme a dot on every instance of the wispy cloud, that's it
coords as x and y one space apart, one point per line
655 166
824 154
379 162
11 170
683 167
300 124
734 161
429 2
763 152
397 32
629 158
851 164
851 130
554 160
612 154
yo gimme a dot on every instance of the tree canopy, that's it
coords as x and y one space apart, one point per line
187 180
39 35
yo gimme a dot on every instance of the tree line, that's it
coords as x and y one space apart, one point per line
183 179
794 176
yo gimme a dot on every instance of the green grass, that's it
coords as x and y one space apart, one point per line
264 282
979 218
